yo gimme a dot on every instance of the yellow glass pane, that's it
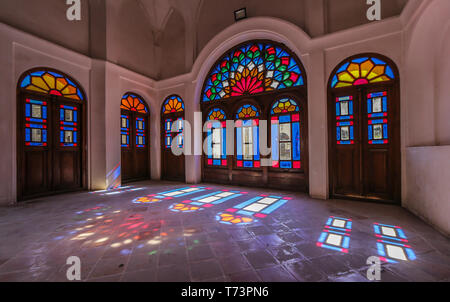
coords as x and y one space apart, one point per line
73 96
366 67
34 88
376 71
342 84
60 83
353 68
345 77
380 79
39 82
50 80
69 90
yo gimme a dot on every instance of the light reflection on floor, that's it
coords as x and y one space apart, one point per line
237 236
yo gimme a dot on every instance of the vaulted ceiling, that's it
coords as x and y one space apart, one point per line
161 38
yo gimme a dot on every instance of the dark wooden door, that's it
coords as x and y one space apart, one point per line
365 149
173 166
135 148
50 145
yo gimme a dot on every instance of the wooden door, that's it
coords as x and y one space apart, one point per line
50 145
365 149
135 148
173 166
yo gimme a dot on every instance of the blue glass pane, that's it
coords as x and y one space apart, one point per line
286 165
239 142
296 140
275 154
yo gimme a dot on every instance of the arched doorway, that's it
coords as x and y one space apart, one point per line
173 166
134 138
51 134
364 129
255 81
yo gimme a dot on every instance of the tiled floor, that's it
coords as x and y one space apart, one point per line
118 240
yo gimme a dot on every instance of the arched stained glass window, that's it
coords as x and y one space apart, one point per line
133 102
173 104
285 133
360 71
247 137
216 138
247 111
53 83
251 69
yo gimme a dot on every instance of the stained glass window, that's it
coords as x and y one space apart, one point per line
173 104
360 71
285 132
377 111
345 121
247 137
169 135
216 138
69 132
251 69
125 131
36 124
52 83
133 102
140 132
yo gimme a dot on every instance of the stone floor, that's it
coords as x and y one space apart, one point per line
118 240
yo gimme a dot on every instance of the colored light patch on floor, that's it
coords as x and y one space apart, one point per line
392 243
336 234
205 201
168 195
117 190
246 212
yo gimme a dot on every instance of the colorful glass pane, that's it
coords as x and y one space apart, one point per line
217 114
247 112
360 71
52 83
251 69
36 114
173 104
133 102
125 131
285 105
68 117
345 121
285 136
377 113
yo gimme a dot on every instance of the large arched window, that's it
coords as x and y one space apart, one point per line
134 140
172 113
51 136
251 69
364 134
245 83
247 137
285 134
216 138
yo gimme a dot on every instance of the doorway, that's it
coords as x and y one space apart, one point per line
173 166
51 134
134 136
364 130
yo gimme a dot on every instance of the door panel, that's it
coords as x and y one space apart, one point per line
367 168
173 167
49 146
135 148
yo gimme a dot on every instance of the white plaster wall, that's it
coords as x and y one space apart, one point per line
428 177
426 104
20 52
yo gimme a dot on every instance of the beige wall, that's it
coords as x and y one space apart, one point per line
421 58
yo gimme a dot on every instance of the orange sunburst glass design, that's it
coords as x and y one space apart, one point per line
133 102
247 112
173 104
362 71
52 83
181 207
234 219
216 115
